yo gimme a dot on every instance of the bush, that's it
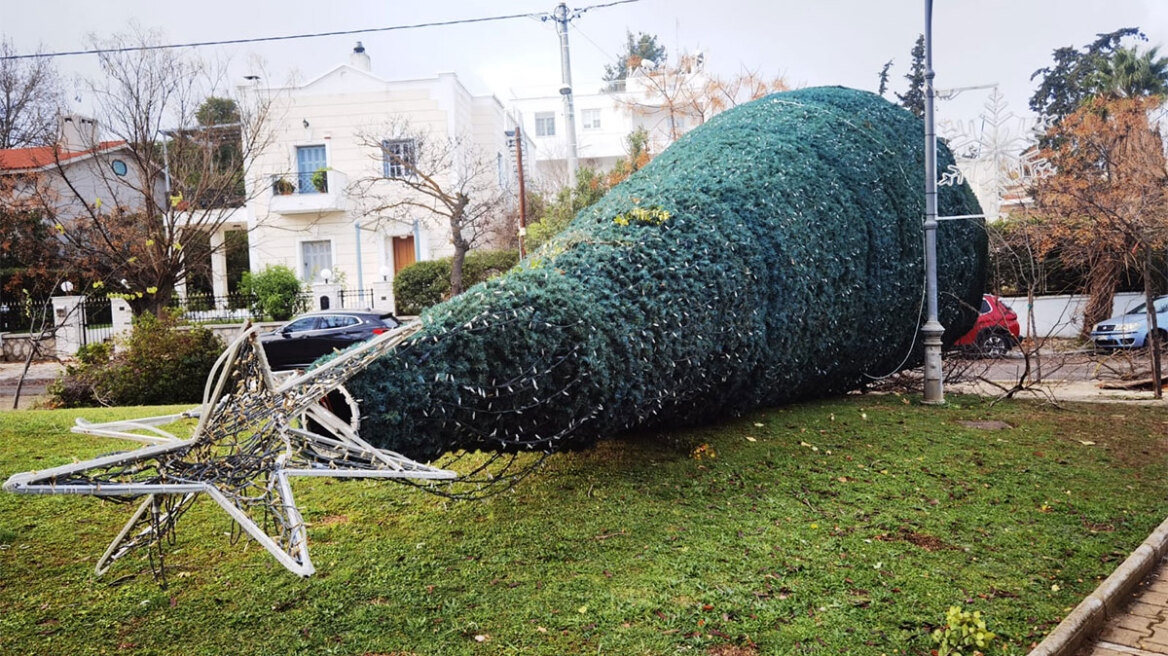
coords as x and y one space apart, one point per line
276 290
156 364
773 254
427 283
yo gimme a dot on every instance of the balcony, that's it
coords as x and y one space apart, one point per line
308 193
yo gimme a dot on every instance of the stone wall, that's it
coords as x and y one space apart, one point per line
14 347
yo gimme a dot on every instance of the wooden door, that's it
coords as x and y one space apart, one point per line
403 253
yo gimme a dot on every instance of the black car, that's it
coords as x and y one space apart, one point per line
298 343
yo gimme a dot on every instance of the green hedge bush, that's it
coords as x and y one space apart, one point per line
156 364
277 292
773 254
427 283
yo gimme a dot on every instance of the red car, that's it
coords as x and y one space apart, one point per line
996 330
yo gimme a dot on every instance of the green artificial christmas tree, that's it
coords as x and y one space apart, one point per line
773 254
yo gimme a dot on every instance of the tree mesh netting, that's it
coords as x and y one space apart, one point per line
773 254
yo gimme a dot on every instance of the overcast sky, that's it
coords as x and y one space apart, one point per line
809 42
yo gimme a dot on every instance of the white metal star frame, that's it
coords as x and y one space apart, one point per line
996 154
252 436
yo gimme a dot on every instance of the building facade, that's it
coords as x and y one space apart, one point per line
664 103
332 140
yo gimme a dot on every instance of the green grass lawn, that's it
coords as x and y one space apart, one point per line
829 527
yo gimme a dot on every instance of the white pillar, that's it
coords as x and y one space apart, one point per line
326 296
67 317
218 263
383 296
123 316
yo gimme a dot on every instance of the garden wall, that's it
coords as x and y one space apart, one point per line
14 347
1062 315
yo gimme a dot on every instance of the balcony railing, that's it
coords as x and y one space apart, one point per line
300 193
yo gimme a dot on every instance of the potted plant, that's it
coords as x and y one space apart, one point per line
282 187
320 180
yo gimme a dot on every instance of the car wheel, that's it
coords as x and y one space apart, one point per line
993 344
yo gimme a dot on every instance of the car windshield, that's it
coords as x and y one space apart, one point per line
1161 305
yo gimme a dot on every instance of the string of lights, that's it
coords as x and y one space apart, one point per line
785 265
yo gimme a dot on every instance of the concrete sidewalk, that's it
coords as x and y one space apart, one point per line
40 375
1141 629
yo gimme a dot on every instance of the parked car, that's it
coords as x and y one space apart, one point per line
298 343
1130 330
996 330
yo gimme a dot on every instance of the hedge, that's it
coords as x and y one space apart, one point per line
157 363
427 283
773 254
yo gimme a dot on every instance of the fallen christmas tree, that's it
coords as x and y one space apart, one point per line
773 254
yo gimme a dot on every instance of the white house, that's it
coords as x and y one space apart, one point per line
665 103
305 211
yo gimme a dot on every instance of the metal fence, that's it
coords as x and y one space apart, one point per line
208 308
25 315
357 299
97 320
235 308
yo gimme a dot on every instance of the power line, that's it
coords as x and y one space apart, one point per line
596 45
312 35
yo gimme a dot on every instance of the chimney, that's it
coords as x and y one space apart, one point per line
76 133
359 60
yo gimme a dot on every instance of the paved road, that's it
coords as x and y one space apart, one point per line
1074 366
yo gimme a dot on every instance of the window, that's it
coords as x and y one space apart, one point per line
301 325
119 167
590 118
399 157
316 256
545 124
309 160
502 171
338 321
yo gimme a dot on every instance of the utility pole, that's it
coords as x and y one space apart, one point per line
522 191
561 16
932 330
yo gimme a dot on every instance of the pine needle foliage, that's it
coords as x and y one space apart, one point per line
790 266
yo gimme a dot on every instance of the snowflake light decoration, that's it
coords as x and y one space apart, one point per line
996 154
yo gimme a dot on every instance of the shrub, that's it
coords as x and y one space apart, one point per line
276 290
427 283
157 363
556 215
781 258
963 630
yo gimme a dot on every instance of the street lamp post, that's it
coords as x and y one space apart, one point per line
932 330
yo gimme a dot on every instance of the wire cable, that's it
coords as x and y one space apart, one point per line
596 45
312 35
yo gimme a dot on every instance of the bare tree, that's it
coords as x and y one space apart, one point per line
161 181
30 98
678 97
445 178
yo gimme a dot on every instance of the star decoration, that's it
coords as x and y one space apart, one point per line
253 435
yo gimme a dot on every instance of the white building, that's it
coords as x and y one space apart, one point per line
666 104
306 211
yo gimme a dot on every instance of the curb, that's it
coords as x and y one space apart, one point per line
1107 600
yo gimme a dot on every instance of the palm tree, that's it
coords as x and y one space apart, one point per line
1129 73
